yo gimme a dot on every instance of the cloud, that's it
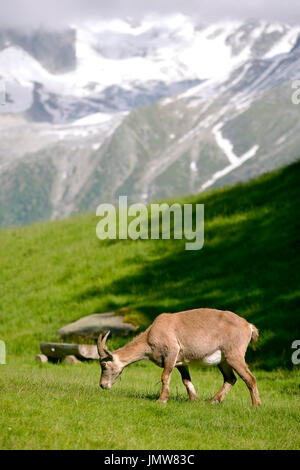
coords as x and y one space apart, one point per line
34 13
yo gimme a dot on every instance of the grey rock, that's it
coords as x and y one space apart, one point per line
71 360
41 358
92 325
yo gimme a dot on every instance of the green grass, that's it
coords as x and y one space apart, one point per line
56 272
60 407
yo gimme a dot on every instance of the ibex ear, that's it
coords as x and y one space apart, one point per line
108 355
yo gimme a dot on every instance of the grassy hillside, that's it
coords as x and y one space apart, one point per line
56 272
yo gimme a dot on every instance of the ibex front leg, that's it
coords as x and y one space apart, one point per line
169 364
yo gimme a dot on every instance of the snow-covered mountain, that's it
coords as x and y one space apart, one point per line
153 109
115 66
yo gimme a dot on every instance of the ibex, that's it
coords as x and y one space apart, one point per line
207 336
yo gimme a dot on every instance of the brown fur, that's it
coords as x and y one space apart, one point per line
177 339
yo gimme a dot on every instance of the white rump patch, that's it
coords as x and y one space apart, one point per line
251 334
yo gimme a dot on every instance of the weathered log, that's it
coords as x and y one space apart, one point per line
41 358
71 360
61 350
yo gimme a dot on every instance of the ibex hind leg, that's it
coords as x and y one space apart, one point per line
229 381
186 380
238 363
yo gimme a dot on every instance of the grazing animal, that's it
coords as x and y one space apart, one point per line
206 336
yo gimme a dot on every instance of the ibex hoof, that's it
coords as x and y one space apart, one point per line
162 400
214 402
194 398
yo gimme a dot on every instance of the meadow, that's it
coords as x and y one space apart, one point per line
62 407
53 273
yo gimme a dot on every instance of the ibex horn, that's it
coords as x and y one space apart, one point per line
102 350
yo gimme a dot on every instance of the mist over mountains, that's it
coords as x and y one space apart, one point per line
150 109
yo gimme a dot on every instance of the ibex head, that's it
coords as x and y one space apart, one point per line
111 367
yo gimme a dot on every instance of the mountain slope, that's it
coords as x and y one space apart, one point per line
150 110
249 264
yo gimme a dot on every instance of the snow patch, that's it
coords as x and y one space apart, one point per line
275 28
224 144
96 146
251 153
193 166
92 119
166 101
285 44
